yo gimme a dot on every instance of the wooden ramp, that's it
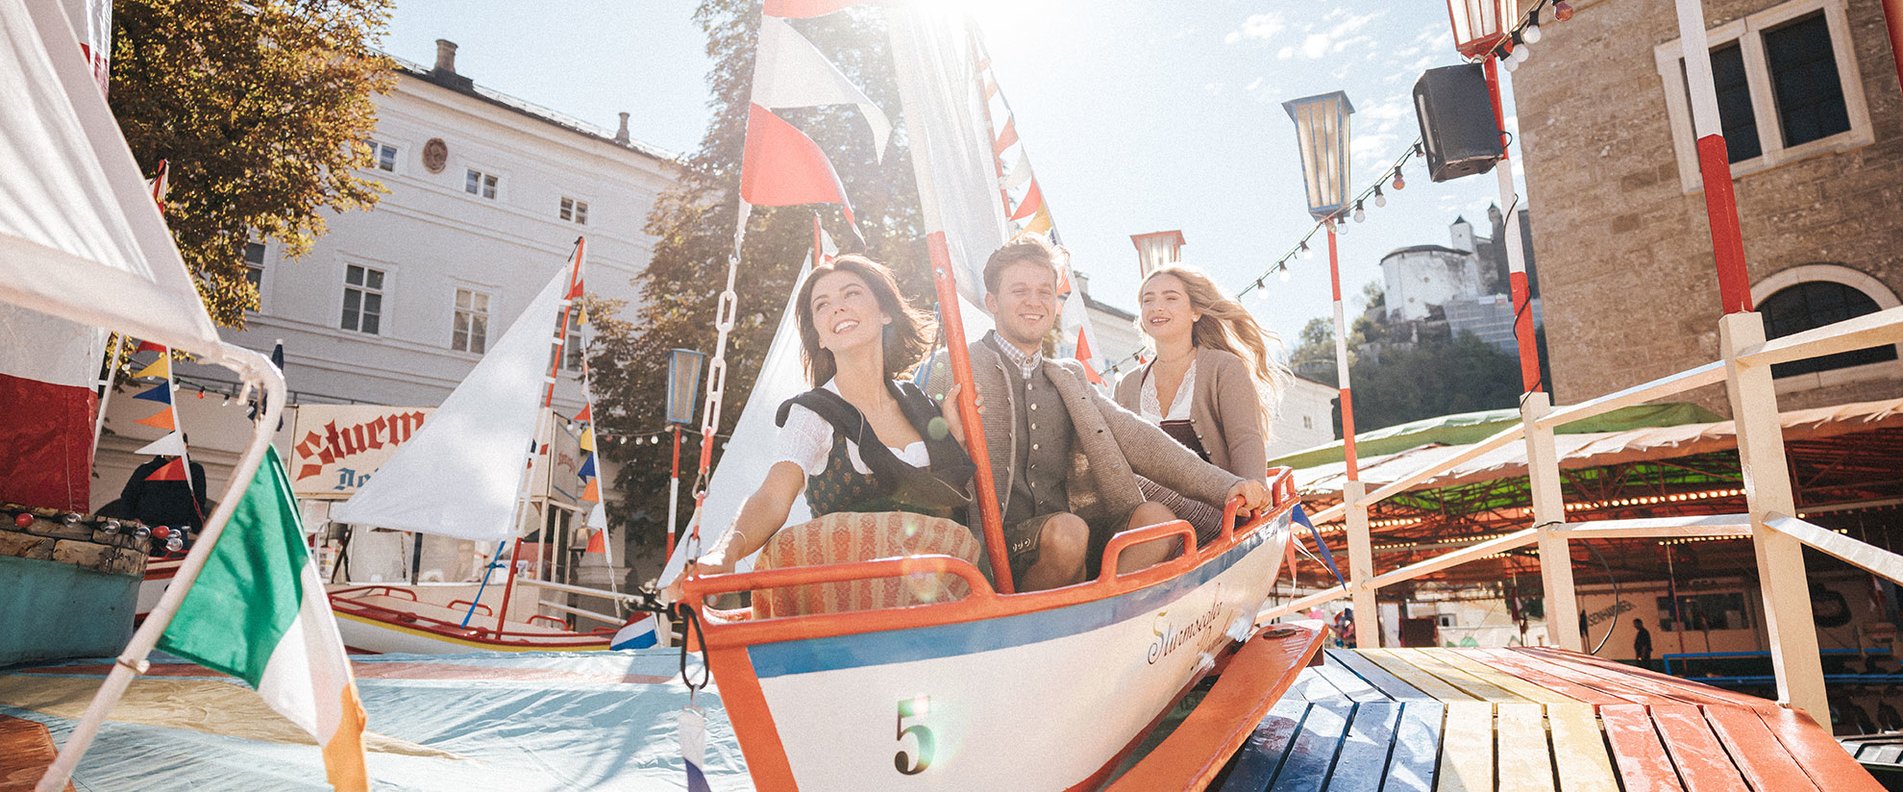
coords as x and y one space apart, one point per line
25 752
1532 719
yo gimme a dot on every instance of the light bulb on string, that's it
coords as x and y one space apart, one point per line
1282 274
1510 63
1361 215
1531 33
1380 198
1307 254
1399 182
1521 53
1562 11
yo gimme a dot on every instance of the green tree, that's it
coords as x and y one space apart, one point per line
694 224
1433 378
259 108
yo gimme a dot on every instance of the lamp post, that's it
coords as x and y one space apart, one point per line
1322 124
683 384
1157 249
1481 28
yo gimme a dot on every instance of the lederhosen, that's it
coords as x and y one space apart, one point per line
941 489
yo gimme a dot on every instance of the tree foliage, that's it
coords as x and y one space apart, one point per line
260 109
694 226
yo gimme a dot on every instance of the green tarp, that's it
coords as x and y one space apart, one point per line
1465 428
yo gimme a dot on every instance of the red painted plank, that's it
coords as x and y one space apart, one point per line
1641 759
25 753
1641 685
1827 763
1673 687
1763 759
1581 689
1702 762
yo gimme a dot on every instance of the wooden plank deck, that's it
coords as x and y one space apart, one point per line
1533 719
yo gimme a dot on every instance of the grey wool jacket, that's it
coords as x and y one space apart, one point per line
1225 411
1111 446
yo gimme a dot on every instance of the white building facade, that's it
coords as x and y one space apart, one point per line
485 198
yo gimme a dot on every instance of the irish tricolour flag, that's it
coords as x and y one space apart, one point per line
258 612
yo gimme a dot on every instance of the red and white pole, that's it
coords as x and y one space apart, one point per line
1714 161
674 491
1341 358
1516 254
1353 492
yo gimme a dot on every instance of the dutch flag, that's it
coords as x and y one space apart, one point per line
636 634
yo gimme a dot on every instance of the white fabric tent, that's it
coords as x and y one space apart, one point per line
80 237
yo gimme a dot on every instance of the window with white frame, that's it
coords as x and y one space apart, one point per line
363 299
469 330
254 264
574 211
1809 296
480 184
382 155
1787 85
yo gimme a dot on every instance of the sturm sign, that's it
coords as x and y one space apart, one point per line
336 448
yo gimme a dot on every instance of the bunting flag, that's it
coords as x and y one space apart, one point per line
587 413
162 420
1019 173
575 291
92 22
174 470
148 346
779 164
1007 138
1032 204
597 542
1083 356
157 368
588 441
170 445
161 393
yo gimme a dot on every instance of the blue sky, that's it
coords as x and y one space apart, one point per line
1138 115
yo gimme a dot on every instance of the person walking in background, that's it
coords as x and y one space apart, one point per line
1642 643
1213 384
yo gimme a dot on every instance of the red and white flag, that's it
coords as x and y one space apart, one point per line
780 165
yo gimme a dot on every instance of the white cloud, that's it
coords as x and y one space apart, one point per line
1285 53
1316 45
1262 27
1253 84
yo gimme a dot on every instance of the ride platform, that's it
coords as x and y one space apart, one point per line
1479 720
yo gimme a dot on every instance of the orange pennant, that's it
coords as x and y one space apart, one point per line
170 471
598 542
592 493
160 420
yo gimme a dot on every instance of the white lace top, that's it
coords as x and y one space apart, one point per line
1152 407
807 440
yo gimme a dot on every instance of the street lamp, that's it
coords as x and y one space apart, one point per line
683 384
1157 249
1322 124
1479 25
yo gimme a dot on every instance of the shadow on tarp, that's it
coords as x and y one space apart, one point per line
510 721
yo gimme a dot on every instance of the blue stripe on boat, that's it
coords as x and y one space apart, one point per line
947 640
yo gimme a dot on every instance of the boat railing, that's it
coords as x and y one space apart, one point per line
1744 368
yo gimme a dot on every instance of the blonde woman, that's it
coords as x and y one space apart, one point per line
1212 384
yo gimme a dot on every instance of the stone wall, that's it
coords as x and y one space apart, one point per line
1625 252
103 545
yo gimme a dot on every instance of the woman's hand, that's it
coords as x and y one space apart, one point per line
710 563
954 422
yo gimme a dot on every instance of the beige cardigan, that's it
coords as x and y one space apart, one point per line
1224 411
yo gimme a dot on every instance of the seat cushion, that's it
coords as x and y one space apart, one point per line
843 537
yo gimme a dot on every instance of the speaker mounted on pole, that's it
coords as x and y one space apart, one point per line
1458 129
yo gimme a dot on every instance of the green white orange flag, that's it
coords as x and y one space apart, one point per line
258 612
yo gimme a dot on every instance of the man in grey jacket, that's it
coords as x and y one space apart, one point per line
1065 459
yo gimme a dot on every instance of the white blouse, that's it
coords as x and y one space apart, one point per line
807 440
1152 407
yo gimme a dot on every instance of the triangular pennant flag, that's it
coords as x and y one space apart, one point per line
170 445
157 368
575 291
791 72
581 317
1039 223
804 9
588 439
161 393
1006 138
597 542
1019 173
1033 201
147 346
592 493
160 420
587 413
781 166
1083 356
587 467
170 471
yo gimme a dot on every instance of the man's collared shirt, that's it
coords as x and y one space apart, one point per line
1027 363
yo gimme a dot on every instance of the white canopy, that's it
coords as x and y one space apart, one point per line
80 237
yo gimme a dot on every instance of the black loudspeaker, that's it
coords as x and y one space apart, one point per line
1457 125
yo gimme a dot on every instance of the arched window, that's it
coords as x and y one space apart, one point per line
1812 304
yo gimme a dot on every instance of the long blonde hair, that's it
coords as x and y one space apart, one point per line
1228 326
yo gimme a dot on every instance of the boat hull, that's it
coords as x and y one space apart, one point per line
1047 690
54 610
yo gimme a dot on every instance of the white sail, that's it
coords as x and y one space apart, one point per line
460 474
80 237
